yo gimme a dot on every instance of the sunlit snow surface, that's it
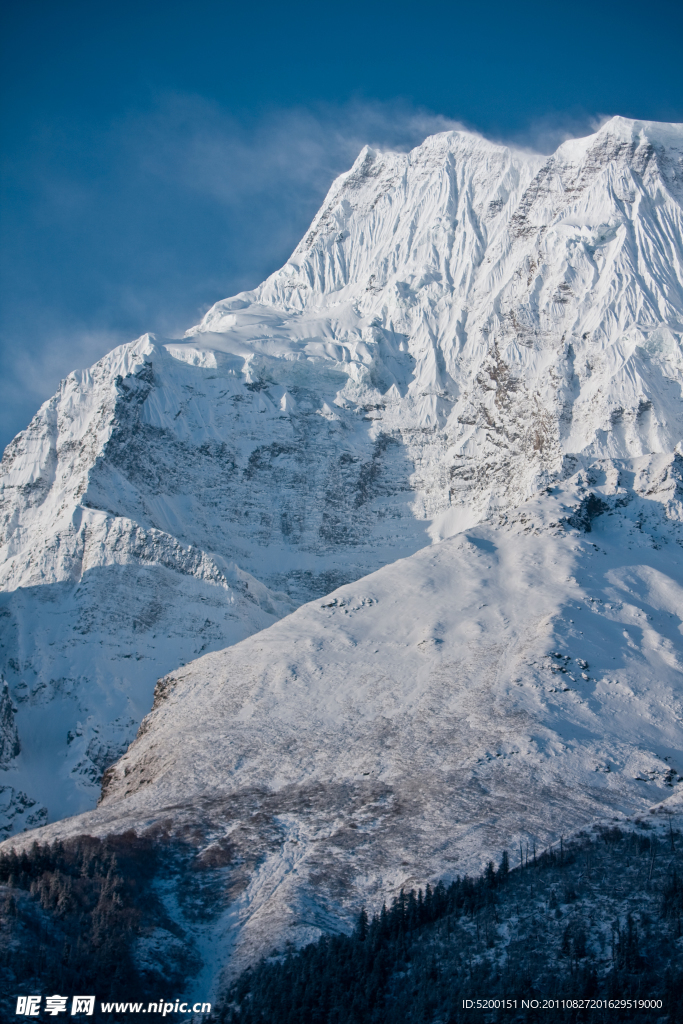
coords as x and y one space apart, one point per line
509 684
462 327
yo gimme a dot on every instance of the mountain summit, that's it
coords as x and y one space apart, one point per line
472 345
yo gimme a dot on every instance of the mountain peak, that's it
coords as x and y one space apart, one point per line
625 130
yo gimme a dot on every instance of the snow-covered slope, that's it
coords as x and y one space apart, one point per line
458 323
510 684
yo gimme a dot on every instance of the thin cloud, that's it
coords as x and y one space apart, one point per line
143 223
545 134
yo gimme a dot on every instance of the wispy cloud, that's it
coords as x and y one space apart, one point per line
142 223
545 134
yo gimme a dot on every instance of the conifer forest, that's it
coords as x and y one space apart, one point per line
594 918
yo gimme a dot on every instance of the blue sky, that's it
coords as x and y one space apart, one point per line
159 156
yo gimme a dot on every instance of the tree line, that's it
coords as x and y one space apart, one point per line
556 927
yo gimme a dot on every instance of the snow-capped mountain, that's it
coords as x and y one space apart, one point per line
458 326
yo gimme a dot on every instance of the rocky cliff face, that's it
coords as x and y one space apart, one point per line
459 326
